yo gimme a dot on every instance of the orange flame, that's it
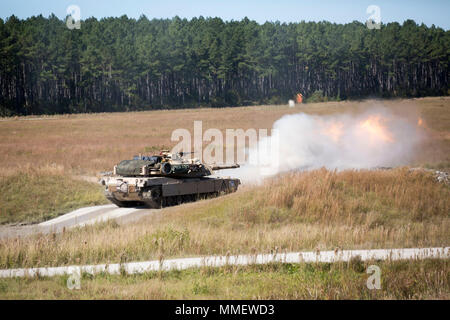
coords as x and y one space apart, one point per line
376 128
334 131
420 122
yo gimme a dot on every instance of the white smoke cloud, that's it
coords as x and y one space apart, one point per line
374 138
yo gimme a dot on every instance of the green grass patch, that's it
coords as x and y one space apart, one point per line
35 196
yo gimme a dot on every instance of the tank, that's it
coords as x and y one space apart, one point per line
164 180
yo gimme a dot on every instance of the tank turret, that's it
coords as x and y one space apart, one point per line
168 165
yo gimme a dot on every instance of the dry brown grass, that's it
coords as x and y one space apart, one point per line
302 211
84 145
88 144
299 211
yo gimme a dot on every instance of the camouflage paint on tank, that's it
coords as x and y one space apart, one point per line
164 180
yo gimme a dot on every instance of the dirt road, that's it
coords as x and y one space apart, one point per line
78 218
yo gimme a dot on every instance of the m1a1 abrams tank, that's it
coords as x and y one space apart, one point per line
164 180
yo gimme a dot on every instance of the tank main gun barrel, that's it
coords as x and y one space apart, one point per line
232 166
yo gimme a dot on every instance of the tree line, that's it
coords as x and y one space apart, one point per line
122 64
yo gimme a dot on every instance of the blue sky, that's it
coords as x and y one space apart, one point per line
339 11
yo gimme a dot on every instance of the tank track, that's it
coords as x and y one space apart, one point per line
163 202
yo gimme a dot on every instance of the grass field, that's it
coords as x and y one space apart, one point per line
428 279
303 211
44 164
75 146
90 143
38 194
